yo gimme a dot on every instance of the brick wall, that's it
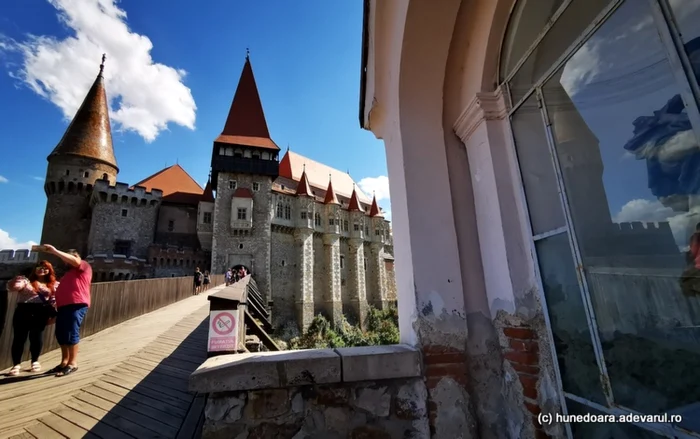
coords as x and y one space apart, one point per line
442 362
523 355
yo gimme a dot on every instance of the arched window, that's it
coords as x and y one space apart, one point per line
606 126
105 177
287 212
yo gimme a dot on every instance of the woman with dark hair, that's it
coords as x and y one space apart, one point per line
35 306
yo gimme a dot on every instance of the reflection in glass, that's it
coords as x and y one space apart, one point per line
631 166
687 16
577 363
570 25
594 430
526 23
536 168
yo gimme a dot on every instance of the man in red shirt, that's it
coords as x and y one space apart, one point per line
72 302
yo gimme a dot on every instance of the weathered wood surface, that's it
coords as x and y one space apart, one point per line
131 382
112 303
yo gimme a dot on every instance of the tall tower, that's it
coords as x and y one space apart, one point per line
244 165
84 155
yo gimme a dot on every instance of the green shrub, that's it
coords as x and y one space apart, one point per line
382 329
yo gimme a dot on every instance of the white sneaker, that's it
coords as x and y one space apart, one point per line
14 371
36 366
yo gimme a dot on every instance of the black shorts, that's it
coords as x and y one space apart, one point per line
197 284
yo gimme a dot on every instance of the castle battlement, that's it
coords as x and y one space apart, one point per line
122 193
105 258
662 226
23 256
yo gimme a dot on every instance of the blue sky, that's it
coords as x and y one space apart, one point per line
171 72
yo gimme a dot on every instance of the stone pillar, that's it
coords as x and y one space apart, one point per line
332 300
304 239
356 275
376 277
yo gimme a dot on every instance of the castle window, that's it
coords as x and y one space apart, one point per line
317 219
125 212
377 232
283 262
256 156
365 264
240 246
104 176
303 214
242 213
366 230
86 174
342 262
122 248
256 186
345 225
171 225
280 210
287 212
357 227
331 221
229 151
207 218
232 184
67 171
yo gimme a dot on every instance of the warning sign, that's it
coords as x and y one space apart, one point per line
223 331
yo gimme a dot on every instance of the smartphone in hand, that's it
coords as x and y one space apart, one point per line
38 248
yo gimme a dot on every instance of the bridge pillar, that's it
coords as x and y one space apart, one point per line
356 274
332 299
305 276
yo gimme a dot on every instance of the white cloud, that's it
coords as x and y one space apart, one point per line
37 178
145 96
379 186
9 243
682 223
3 179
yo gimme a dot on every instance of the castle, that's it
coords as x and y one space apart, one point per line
314 242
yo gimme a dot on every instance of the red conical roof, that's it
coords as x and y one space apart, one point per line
374 209
90 133
208 195
331 198
355 204
246 124
303 187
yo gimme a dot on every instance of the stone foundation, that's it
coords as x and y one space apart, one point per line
372 392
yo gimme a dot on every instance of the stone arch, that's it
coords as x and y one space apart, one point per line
125 199
114 198
71 187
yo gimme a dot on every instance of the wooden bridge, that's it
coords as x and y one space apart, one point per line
131 381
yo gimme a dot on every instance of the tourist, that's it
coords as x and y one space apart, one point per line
35 307
197 280
72 302
206 280
228 276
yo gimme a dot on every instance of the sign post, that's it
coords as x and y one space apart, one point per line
223 331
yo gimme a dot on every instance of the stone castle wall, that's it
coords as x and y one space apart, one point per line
231 246
122 214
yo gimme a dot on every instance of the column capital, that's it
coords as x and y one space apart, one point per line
484 106
330 238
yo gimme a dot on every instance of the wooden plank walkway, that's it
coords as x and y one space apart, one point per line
132 382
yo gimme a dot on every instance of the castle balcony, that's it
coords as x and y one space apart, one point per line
242 165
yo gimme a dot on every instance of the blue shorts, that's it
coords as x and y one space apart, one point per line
68 322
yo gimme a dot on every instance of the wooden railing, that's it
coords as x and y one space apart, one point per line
112 303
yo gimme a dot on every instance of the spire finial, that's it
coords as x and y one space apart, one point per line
247 53
329 176
102 66
287 146
304 166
